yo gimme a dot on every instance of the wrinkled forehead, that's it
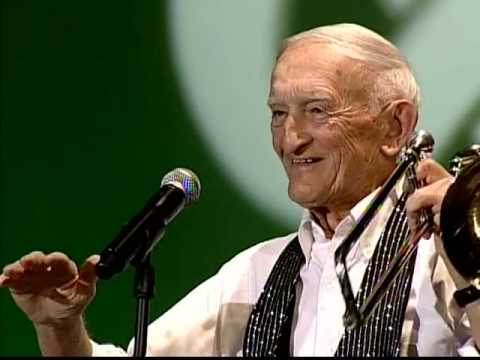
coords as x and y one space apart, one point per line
309 68
307 57
314 67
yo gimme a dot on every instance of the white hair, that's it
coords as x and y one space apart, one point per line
382 65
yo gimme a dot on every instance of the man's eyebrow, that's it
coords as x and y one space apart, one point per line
303 100
323 99
271 103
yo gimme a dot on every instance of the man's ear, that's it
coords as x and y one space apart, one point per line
399 122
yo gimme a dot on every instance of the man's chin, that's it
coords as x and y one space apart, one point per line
304 199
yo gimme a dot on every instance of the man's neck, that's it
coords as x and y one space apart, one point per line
328 219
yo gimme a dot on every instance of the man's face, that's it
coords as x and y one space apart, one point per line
322 131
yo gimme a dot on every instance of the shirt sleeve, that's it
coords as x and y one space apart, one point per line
211 319
466 347
455 316
187 328
107 350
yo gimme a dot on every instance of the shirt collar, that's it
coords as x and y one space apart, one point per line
310 231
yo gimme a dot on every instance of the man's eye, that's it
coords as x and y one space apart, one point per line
317 114
278 113
278 117
316 110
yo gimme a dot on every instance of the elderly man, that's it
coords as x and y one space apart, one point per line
343 102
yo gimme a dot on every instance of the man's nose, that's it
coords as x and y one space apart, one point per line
297 135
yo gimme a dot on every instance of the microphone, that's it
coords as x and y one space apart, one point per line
179 189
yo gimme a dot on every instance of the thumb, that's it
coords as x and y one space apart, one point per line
87 270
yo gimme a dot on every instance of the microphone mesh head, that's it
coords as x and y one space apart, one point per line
187 181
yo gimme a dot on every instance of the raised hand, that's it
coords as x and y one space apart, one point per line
49 288
436 182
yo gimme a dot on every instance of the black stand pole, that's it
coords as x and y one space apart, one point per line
144 289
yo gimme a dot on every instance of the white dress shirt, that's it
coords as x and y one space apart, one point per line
212 318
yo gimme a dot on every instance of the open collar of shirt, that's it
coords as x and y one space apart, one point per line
310 231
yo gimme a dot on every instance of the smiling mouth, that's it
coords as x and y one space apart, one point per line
305 161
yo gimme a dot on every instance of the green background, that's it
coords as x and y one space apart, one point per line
92 117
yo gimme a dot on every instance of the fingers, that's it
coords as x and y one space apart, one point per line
430 171
436 221
39 271
429 198
86 281
420 199
61 267
423 198
435 180
14 270
4 280
87 270
35 261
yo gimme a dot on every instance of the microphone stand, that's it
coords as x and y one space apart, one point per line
144 289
